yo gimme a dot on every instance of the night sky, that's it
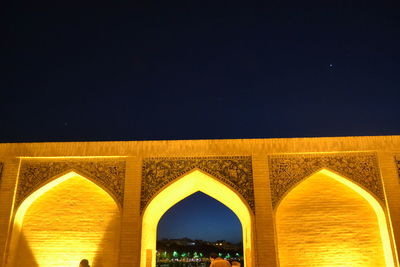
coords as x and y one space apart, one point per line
195 73
200 217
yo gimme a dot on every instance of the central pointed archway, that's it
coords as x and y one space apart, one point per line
181 188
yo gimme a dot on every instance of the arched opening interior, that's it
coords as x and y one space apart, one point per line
180 189
327 220
196 226
67 220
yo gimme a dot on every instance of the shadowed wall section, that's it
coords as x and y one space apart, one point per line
323 222
75 219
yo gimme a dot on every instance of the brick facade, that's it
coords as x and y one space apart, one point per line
372 163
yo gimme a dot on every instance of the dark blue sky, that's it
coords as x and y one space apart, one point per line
196 73
200 217
134 73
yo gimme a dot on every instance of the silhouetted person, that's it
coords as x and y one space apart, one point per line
217 261
84 263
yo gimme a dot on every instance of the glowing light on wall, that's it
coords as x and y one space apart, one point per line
327 220
180 189
64 221
383 227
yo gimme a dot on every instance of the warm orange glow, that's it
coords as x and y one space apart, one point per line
383 227
328 220
64 221
35 195
182 188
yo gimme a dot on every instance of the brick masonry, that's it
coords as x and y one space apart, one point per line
386 150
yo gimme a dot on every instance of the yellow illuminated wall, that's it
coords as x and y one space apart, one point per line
180 189
74 219
328 221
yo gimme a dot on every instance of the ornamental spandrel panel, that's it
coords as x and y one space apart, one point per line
1 169
236 172
288 170
397 159
35 173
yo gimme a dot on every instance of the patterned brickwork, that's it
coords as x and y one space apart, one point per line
397 159
1 169
288 170
234 171
35 173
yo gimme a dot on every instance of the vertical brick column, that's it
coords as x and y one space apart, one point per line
265 253
7 188
131 220
390 176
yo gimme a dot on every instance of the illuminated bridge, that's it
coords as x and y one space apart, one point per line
301 201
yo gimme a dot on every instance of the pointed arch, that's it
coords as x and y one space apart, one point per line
56 180
181 188
338 177
373 203
110 220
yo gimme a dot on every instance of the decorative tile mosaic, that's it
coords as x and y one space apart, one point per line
35 173
234 171
288 170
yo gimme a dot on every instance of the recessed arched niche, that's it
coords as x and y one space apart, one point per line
69 219
181 188
327 220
